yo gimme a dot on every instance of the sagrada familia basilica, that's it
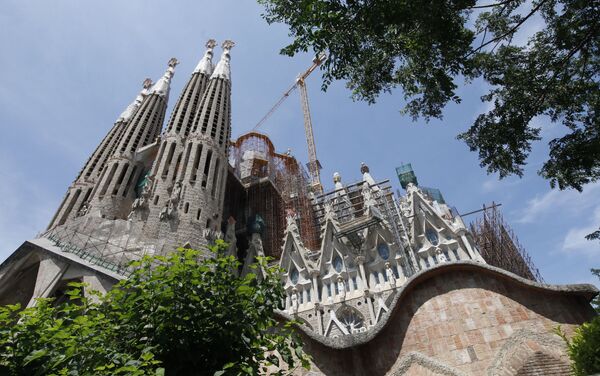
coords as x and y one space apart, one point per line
383 282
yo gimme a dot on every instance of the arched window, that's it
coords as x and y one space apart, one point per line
383 250
432 236
337 263
294 275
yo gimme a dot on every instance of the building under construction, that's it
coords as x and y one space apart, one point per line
263 188
499 246
380 283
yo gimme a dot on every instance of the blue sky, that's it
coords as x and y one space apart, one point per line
69 68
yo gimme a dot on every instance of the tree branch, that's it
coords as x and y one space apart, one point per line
511 31
491 5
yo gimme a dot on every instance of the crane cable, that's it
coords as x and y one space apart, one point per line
318 60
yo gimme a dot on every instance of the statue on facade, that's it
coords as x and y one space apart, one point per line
368 199
256 225
440 256
341 288
390 274
294 298
141 201
167 211
84 209
175 195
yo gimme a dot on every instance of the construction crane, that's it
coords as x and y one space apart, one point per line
313 165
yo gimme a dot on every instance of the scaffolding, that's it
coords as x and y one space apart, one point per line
276 185
499 246
349 207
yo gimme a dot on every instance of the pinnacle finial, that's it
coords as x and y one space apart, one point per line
210 44
363 167
222 69
228 44
173 62
130 110
161 87
205 65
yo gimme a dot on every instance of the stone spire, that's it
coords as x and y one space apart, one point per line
163 85
205 65
130 110
114 192
76 200
198 204
187 105
223 69
168 168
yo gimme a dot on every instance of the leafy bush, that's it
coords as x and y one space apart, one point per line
584 348
173 315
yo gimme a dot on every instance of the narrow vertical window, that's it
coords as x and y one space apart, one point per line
167 163
206 168
196 164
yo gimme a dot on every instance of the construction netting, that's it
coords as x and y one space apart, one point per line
406 175
277 185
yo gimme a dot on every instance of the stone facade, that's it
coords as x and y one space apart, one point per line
370 245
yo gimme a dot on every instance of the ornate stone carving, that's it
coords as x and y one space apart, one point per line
84 209
211 43
294 299
341 288
390 275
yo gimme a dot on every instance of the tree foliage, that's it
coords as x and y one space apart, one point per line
596 300
425 48
173 313
584 348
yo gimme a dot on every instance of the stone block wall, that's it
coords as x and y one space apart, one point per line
462 320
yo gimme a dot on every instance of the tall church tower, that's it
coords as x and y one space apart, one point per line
189 199
113 195
166 171
79 192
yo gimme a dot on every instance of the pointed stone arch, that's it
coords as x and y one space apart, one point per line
526 350
415 363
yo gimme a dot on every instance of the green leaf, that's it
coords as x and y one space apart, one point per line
37 354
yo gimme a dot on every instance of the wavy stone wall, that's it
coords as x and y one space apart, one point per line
462 319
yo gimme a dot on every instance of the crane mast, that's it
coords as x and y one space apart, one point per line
314 166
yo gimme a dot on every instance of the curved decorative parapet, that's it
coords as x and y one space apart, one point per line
587 291
467 318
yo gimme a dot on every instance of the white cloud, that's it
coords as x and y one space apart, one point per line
554 200
576 242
